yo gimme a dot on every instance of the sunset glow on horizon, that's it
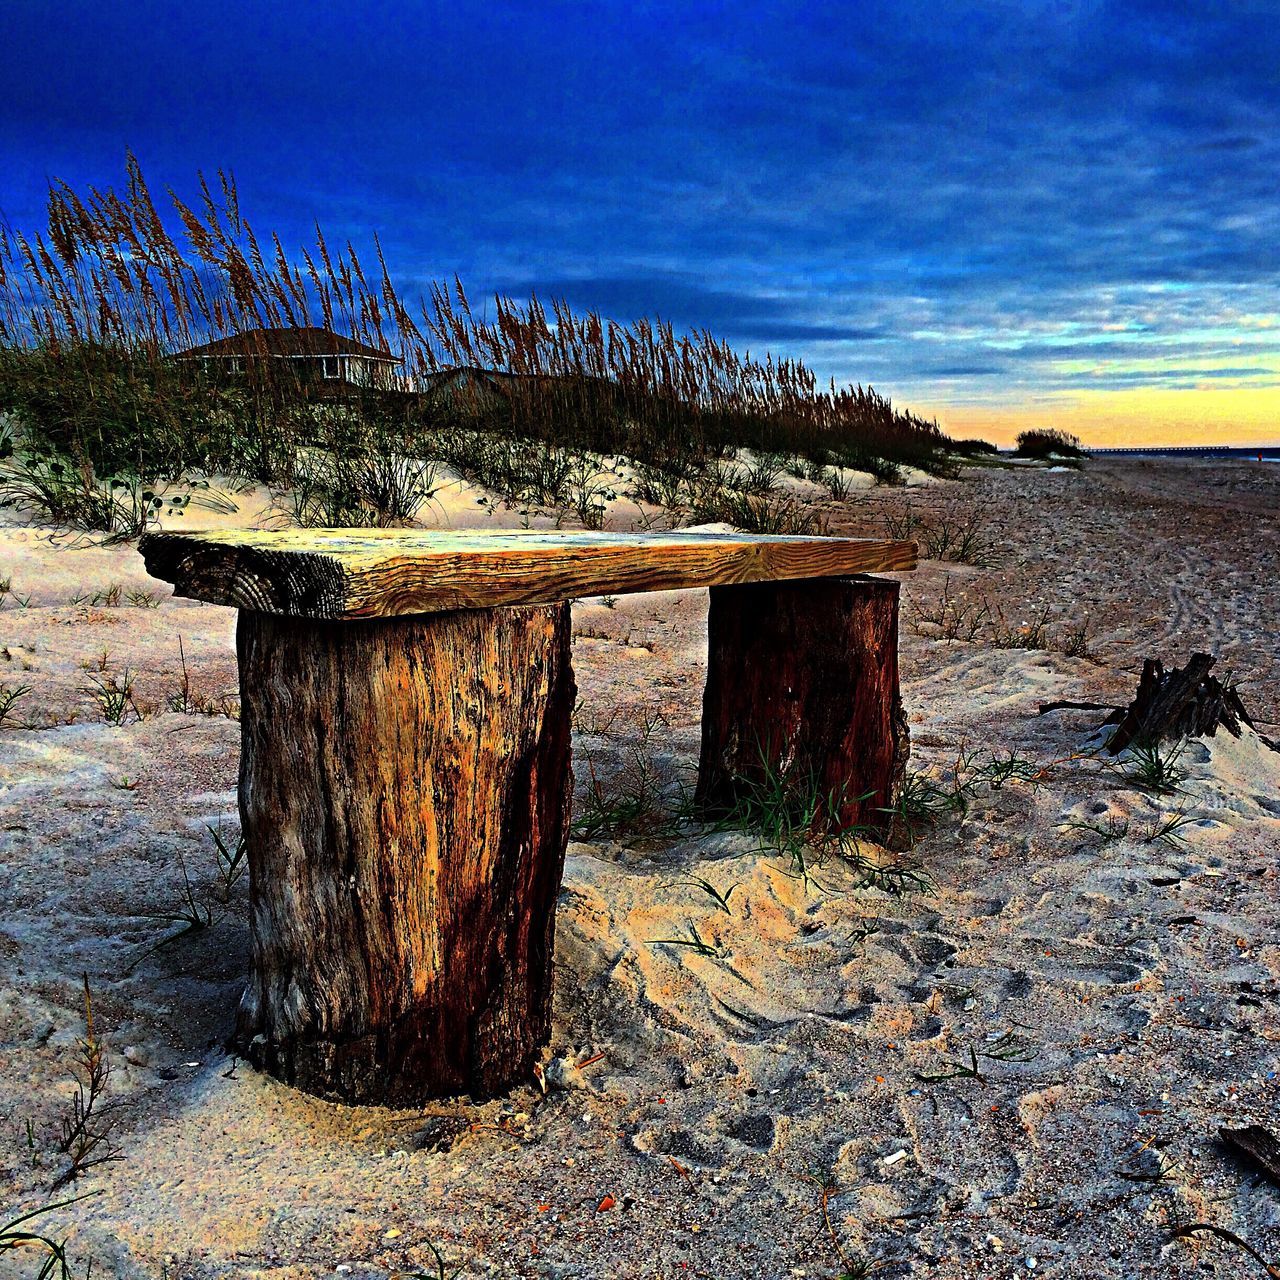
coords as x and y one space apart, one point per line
1128 419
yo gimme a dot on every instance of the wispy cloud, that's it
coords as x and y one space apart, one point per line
964 206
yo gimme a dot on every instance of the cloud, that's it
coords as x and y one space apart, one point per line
899 198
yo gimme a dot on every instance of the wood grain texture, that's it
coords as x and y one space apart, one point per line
369 573
802 684
1187 702
404 793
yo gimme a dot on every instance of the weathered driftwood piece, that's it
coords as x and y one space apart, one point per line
404 791
1186 702
802 685
1257 1144
367 573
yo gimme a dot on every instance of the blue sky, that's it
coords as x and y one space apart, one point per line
971 206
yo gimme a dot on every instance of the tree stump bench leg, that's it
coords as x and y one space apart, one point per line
404 791
802 686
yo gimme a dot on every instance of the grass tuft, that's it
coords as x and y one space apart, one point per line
86 1129
17 1234
1153 766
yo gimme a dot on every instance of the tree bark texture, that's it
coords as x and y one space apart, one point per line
802 687
1187 702
404 792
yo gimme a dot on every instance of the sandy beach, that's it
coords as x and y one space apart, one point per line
777 1108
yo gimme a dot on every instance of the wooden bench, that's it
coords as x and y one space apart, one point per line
405 776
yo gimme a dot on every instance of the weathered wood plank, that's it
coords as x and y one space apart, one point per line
370 573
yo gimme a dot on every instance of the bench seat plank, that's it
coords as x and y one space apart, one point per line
380 573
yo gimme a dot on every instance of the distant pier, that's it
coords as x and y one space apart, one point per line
1267 452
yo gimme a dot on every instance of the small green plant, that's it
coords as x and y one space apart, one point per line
1112 830
923 802
1153 766
950 617
946 536
1167 830
1074 641
754 514
659 486
1163 829
590 491
114 695
1032 634
761 476
232 859
86 1129
16 1234
442 1268
952 1070
396 488
793 813
1149 1164
837 483
721 899
183 701
1009 1047
787 808
1000 770
693 941
10 695
850 1268
120 506
629 800
188 914
323 495
895 877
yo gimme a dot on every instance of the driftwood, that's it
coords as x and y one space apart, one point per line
1191 1229
404 789
1186 702
802 688
1067 704
1258 1144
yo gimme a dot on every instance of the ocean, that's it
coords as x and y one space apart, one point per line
1254 452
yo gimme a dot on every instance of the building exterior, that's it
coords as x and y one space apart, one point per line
313 355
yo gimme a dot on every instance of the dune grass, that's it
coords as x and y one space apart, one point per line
109 427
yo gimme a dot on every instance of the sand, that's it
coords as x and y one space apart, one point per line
1119 994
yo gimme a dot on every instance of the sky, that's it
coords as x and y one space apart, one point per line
1001 214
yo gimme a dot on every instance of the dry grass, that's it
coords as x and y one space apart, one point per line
93 306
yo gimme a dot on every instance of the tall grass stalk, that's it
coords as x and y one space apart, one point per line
95 306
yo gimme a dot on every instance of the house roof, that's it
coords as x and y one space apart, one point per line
288 342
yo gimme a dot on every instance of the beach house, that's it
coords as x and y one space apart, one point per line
313 355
